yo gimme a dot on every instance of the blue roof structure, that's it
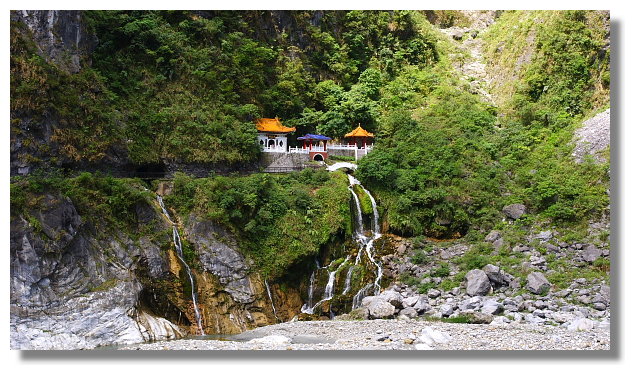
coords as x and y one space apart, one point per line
314 137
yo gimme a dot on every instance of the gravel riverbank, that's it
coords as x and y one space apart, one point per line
396 335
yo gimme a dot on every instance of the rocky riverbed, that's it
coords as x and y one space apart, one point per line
397 335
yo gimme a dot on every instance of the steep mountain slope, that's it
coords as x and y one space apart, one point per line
475 164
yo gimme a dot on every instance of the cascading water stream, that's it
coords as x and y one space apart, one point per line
271 299
328 289
179 253
365 242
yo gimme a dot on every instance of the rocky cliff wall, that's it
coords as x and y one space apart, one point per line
60 36
80 284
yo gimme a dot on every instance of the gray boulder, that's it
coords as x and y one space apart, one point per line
422 305
446 310
498 243
544 236
493 236
477 283
590 253
537 283
434 293
379 309
410 301
514 211
471 304
492 307
495 275
392 297
410 312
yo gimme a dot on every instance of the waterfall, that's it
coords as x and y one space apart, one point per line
365 247
328 290
365 243
179 253
271 299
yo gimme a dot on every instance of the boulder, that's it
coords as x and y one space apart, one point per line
590 253
446 310
471 304
477 283
544 235
537 283
434 293
422 305
477 317
492 307
581 324
514 211
410 312
392 297
379 309
410 301
360 313
493 236
495 275
457 34
431 336
498 243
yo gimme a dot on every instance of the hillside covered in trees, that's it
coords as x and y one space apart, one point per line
472 112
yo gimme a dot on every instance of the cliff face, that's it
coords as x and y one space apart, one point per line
61 36
76 284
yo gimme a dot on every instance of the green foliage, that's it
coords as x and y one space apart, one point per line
442 271
188 85
279 220
445 161
423 288
420 257
103 199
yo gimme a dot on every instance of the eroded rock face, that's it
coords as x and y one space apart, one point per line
217 251
593 137
77 284
60 36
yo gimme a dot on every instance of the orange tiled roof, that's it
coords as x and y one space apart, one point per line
359 132
272 125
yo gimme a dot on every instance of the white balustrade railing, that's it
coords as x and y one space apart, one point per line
340 146
298 150
273 149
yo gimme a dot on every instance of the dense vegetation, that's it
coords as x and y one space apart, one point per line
279 220
181 85
447 161
187 85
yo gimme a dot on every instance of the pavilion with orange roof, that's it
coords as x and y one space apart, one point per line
359 137
272 135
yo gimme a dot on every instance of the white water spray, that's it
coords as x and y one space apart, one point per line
271 299
179 253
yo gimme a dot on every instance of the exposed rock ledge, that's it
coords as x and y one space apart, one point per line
593 137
